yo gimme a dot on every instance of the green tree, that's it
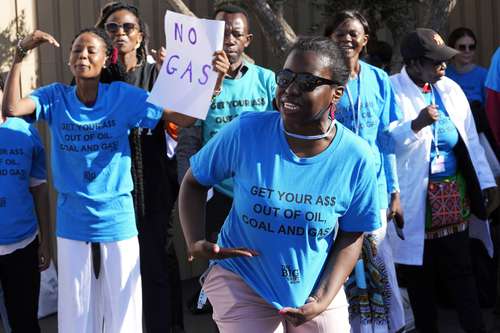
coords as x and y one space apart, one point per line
8 39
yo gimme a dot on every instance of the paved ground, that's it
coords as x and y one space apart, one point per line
202 323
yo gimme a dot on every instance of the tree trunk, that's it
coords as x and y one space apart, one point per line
400 19
276 29
408 15
180 7
400 16
439 12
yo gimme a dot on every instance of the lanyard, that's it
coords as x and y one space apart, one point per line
435 134
355 112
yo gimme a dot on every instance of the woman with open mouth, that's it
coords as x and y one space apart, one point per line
367 108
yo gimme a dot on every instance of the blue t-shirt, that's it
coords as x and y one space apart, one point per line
91 157
287 208
472 82
377 109
21 158
493 77
447 138
254 91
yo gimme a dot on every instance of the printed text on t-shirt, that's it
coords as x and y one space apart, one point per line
9 163
261 210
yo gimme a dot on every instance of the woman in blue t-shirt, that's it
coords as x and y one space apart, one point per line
305 190
98 253
367 108
462 69
153 172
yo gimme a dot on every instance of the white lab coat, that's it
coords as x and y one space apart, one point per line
413 158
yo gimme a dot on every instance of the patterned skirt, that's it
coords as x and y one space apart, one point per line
375 303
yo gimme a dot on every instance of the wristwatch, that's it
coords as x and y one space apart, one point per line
22 52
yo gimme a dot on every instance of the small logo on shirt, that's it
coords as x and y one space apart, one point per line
292 275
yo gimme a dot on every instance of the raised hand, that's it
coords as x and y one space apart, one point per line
221 65
37 38
159 56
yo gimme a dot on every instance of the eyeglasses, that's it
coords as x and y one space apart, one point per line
305 81
113 27
466 47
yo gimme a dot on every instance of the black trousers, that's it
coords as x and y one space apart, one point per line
20 280
161 286
450 257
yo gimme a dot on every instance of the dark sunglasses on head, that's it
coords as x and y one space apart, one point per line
113 27
305 81
466 47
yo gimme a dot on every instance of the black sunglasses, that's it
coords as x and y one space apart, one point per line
113 27
305 81
466 47
434 63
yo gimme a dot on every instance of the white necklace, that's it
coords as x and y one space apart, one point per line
309 137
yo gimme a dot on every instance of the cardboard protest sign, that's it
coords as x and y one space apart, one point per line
186 81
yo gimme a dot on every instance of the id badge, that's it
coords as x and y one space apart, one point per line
437 164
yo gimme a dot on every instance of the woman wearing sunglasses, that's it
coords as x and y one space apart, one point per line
305 190
154 175
462 69
444 178
98 252
367 108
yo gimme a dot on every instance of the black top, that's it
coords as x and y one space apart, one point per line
155 182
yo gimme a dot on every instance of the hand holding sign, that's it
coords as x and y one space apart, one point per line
187 77
221 65
159 56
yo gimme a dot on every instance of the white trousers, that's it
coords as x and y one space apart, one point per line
113 302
